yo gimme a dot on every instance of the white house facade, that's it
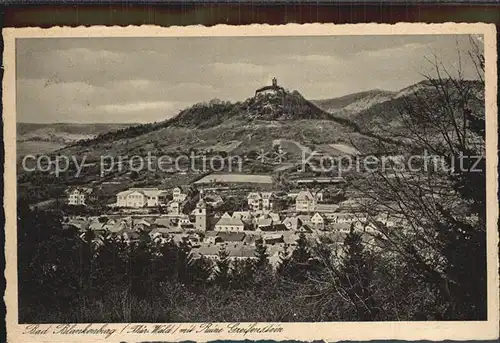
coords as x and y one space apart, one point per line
305 202
79 196
140 197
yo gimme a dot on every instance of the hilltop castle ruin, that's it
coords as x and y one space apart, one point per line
274 88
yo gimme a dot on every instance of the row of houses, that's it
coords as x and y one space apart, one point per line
148 197
305 201
310 213
239 245
131 230
237 222
130 198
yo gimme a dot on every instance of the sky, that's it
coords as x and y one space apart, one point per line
132 80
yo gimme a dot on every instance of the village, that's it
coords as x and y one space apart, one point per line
160 215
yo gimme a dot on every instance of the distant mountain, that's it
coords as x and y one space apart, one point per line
41 138
379 112
385 118
354 103
63 133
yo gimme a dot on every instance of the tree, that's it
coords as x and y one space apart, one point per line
199 271
133 175
86 259
285 257
222 268
263 276
48 263
261 254
300 263
232 204
242 274
439 208
355 278
140 270
166 262
110 264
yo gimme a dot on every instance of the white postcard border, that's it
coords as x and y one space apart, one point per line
298 331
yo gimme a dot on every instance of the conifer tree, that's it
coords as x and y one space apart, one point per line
261 254
300 265
110 264
263 270
301 254
166 261
199 271
222 268
141 273
242 273
285 258
86 259
183 260
356 274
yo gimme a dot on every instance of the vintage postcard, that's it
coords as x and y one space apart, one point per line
307 182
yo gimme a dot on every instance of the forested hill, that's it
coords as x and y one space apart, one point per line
281 114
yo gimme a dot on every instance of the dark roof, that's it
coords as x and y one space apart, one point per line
232 236
280 227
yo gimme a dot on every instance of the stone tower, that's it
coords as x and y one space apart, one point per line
201 216
275 82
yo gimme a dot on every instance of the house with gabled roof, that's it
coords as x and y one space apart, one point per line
130 236
305 202
254 200
96 225
267 201
228 223
304 219
292 223
174 207
113 226
179 194
264 223
318 221
304 228
273 238
79 224
260 201
79 196
142 225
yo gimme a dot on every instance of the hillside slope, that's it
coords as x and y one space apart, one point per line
353 103
240 128
268 116
255 122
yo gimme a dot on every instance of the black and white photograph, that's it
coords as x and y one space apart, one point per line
262 179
